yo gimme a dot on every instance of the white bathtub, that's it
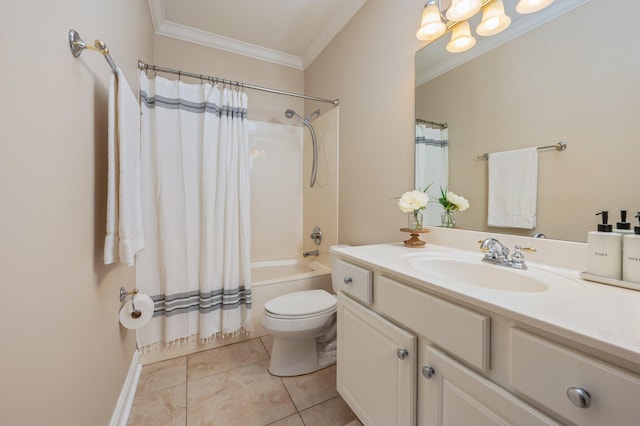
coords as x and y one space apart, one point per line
269 279
274 278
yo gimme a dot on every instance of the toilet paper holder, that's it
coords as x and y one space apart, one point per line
135 313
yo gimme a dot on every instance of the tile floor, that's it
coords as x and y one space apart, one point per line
231 385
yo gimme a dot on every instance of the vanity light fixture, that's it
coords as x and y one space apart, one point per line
431 25
461 38
462 10
494 20
530 6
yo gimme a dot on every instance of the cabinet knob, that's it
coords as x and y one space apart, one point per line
348 280
428 372
402 353
579 397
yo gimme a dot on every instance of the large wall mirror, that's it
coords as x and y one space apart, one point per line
575 78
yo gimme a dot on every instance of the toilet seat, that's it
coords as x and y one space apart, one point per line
301 305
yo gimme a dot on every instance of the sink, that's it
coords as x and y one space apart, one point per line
477 273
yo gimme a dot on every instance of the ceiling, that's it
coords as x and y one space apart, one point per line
285 32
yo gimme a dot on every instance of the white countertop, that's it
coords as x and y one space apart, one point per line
604 317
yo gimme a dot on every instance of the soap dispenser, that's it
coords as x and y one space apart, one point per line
623 227
605 250
631 258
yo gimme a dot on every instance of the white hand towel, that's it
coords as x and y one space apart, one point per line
513 188
124 236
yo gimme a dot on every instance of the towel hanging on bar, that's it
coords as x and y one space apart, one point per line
560 146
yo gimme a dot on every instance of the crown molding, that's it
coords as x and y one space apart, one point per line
167 28
341 17
204 38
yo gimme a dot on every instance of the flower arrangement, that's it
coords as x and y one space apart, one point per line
451 201
414 202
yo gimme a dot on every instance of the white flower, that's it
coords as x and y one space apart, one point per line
460 203
413 200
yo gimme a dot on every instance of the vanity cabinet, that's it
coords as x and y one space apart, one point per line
453 395
409 355
579 388
376 366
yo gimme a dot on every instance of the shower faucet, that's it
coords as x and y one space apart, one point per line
316 236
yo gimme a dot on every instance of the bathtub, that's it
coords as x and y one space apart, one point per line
269 279
274 278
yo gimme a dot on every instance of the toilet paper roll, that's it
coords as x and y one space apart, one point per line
144 304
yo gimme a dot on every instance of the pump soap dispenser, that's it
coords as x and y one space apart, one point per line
631 258
605 250
623 227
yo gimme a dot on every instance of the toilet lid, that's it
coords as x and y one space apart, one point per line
301 303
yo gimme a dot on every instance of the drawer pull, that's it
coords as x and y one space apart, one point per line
402 353
428 372
579 397
348 280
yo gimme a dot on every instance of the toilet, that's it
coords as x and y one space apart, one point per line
303 326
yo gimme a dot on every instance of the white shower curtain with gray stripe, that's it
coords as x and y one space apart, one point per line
432 168
196 212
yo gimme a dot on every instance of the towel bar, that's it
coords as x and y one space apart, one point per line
560 146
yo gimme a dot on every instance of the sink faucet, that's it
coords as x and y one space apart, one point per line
498 254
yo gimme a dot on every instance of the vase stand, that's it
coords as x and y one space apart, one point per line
414 241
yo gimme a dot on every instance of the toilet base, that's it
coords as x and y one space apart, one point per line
294 357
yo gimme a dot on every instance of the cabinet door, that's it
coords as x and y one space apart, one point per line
376 366
455 395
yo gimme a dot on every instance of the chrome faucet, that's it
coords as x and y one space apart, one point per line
498 254
311 253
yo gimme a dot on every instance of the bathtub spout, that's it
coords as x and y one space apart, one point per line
310 253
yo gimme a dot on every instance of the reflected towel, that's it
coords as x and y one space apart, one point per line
513 188
124 236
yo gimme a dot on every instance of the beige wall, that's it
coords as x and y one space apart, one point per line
369 66
263 106
564 81
64 357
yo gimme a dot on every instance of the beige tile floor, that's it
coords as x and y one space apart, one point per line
231 385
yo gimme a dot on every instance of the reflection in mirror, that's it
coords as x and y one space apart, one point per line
573 79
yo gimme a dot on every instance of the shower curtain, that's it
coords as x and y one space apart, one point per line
196 212
432 167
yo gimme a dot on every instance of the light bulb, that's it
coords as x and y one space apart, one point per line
461 38
530 6
461 10
494 20
431 26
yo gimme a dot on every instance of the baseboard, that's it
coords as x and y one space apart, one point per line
125 401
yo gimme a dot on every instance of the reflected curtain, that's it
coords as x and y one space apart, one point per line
432 167
196 196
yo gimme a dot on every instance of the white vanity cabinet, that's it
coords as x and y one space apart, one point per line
409 354
452 395
376 366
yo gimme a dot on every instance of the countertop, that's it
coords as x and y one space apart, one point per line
604 317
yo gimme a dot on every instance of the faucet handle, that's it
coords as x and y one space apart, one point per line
526 249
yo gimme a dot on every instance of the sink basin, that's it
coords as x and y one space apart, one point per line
480 274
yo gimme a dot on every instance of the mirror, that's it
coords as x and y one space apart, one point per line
576 79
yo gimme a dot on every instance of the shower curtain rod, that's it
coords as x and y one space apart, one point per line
433 123
146 67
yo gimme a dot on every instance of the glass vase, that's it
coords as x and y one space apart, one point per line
415 219
448 218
